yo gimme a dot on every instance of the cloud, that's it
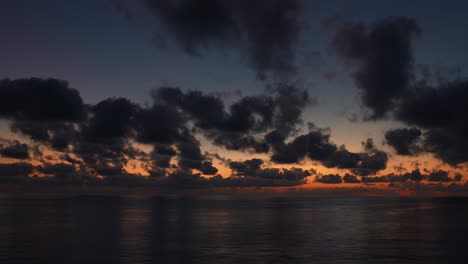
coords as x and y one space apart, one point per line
329 178
404 140
383 55
265 31
440 111
162 155
15 150
253 168
99 141
208 168
62 172
349 178
150 128
317 146
37 99
218 181
111 118
240 125
435 110
439 176
414 176
190 156
102 143
14 172
247 167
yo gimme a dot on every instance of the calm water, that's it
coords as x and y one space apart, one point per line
230 230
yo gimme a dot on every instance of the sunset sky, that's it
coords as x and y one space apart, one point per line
258 93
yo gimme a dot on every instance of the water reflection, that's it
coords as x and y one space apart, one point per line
219 229
96 232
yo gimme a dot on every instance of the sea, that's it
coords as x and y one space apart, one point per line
232 229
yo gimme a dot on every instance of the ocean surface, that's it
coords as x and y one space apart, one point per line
103 229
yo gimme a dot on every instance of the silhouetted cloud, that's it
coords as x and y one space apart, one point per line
162 155
190 156
439 176
266 31
317 146
208 168
441 113
435 109
247 167
40 100
100 141
14 172
61 171
349 178
253 168
414 176
404 140
15 150
329 178
240 126
111 118
384 58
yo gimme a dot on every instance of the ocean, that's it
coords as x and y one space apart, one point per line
224 229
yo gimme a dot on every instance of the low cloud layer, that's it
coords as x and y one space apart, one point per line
413 176
92 141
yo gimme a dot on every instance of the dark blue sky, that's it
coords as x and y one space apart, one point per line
95 47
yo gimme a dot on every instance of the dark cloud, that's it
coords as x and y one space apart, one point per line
45 110
35 130
208 168
101 143
349 178
433 105
40 100
414 176
190 156
404 140
441 112
239 126
58 170
247 167
374 179
253 168
265 30
240 142
248 114
317 146
329 178
159 124
368 145
12 170
439 176
384 58
162 155
15 150
371 163
111 118
58 135
218 181
293 174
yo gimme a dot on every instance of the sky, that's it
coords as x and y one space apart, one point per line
192 93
